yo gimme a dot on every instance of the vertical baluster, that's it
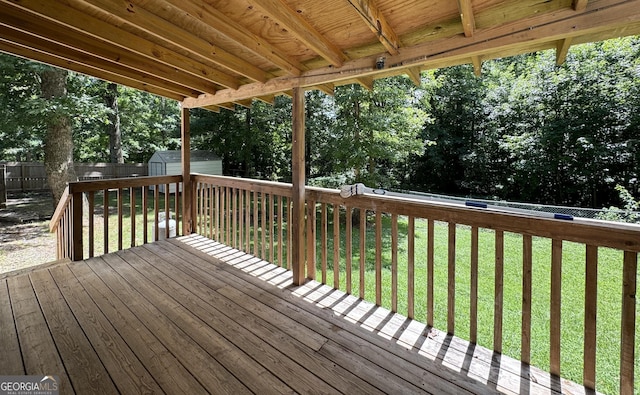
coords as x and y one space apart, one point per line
363 252
91 200
430 262
105 222
336 246
473 299
271 224
234 216
120 209
212 212
311 239
410 267
394 263
498 296
590 313
348 247
263 225
556 286
176 202
628 328
200 190
451 280
240 218
156 211
247 220
132 211
527 264
228 192
324 236
378 258
280 240
167 215
145 215
255 223
218 213
289 233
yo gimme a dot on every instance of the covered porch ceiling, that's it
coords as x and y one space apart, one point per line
216 53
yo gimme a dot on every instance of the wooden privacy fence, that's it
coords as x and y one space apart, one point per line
31 176
126 207
3 186
446 264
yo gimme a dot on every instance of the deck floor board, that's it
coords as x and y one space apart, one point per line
190 315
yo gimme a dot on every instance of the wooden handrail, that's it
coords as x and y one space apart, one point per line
117 183
616 235
60 208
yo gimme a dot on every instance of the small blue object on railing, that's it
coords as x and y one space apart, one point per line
475 204
566 217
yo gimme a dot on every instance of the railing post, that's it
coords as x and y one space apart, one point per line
298 178
76 226
628 327
187 196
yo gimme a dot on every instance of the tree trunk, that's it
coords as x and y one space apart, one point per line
115 138
58 144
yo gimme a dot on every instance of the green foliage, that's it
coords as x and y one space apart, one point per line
630 213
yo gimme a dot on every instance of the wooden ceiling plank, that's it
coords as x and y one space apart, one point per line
477 65
467 18
254 43
81 22
302 30
35 25
368 10
414 74
455 49
562 50
580 5
165 31
85 68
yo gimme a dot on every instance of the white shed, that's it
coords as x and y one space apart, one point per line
170 163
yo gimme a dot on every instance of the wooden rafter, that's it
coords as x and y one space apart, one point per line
467 18
218 21
81 23
84 68
366 82
139 18
368 10
414 74
580 5
562 50
302 30
454 50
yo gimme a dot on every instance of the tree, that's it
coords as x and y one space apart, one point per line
115 137
58 145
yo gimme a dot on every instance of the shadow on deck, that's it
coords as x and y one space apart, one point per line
190 315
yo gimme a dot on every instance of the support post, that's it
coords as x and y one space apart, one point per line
76 226
298 181
187 204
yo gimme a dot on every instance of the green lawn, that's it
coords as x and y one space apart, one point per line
573 269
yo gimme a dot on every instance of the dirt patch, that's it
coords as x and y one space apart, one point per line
24 231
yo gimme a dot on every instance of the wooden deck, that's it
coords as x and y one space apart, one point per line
190 315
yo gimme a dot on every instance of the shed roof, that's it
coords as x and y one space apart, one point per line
213 53
175 156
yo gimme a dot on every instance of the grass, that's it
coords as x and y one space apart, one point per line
573 283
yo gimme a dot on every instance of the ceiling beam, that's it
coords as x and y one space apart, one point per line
297 25
165 31
83 68
467 18
366 82
81 23
562 50
33 25
254 43
368 10
580 5
533 31
477 65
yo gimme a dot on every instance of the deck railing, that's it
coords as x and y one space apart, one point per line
446 264
126 207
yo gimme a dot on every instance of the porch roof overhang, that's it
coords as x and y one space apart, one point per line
214 54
